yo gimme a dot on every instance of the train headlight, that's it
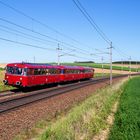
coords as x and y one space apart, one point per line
21 78
18 83
5 82
7 77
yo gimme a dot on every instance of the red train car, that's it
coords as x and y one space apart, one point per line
30 74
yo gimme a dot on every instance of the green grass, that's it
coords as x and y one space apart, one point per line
127 118
1 69
97 75
97 65
2 86
85 120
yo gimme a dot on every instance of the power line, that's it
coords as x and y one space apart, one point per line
8 28
46 26
26 44
28 29
91 21
39 22
120 52
44 35
25 28
85 52
36 46
25 36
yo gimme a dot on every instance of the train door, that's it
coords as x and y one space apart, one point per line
31 77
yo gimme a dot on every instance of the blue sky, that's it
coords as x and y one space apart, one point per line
119 20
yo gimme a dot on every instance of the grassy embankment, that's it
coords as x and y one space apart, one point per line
83 121
127 118
97 75
2 86
97 65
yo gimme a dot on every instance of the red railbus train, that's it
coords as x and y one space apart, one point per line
32 74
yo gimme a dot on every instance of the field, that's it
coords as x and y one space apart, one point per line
115 67
1 79
127 118
103 74
127 65
98 70
2 65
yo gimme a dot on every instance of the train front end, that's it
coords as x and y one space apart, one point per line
15 75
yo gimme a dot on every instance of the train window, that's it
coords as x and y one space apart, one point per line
25 71
47 71
43 72
62 71
50 71
10 70
35 71
53 71
39 71
57 71
14 70
30 71
66 71
88 71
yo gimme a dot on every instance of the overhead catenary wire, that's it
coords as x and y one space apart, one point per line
91 21
26 44
121 52
39 47
26 36
25 28
43 35
20 32
41 23
37 21
98 30
30 36
91 18
95 26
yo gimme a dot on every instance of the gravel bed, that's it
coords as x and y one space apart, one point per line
14 122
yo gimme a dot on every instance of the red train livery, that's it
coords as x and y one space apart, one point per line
31 74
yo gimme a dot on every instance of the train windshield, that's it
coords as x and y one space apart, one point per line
14 70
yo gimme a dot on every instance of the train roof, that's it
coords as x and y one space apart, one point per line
29 65
75 67
43 65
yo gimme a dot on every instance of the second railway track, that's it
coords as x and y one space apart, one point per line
16 102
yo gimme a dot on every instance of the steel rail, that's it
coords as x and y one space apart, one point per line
14 103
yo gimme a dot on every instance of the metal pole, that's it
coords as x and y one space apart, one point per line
122 65
136 66
34 59
111 63
102 67
58 56
130 66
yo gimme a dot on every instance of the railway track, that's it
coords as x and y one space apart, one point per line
19 101
9 93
